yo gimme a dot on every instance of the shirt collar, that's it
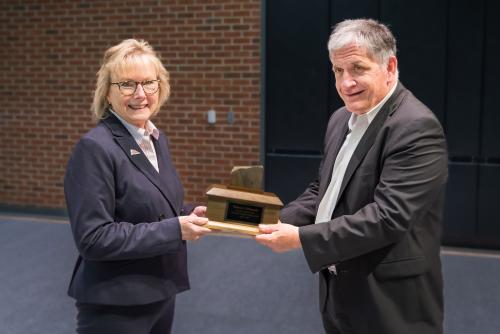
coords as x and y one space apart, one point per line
370 115
150 130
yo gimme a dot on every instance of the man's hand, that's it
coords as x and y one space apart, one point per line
279 237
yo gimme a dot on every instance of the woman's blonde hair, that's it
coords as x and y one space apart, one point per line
117 59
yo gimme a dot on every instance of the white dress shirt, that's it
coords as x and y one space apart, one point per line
143 138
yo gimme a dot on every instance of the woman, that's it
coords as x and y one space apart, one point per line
125 203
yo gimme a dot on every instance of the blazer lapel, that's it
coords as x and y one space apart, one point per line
369 137
335 141
130 147
170 184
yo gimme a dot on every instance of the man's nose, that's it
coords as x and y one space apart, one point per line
348 81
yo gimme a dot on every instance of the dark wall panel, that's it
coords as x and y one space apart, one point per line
344 9
491 114
297 74
488 202
288 176
460 209
463 112
420 31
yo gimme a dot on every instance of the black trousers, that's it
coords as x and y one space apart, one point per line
335 320
155 318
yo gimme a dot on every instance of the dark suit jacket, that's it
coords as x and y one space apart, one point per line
384 234
123 216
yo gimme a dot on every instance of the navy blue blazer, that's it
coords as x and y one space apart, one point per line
123 216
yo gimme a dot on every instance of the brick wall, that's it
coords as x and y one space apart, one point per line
51 50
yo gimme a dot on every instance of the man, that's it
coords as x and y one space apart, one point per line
371 222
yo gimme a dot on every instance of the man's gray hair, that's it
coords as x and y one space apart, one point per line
375 37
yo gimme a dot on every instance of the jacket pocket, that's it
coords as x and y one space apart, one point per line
401 268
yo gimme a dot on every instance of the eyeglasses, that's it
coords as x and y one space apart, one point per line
128 88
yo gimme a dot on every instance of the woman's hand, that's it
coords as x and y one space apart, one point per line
199 211
192 227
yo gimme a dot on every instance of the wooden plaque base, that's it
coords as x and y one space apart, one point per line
237 210
232 228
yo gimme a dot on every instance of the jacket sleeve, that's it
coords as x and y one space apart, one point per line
302 211
188 208
89 188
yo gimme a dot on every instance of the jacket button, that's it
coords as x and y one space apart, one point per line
161 217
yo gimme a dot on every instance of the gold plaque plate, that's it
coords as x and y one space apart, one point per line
239 210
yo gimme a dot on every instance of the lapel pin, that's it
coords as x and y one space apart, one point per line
134 152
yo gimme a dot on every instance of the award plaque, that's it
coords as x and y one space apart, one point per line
239 208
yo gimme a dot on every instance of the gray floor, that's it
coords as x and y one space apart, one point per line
238 287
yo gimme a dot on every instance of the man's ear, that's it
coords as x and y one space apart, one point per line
392 67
